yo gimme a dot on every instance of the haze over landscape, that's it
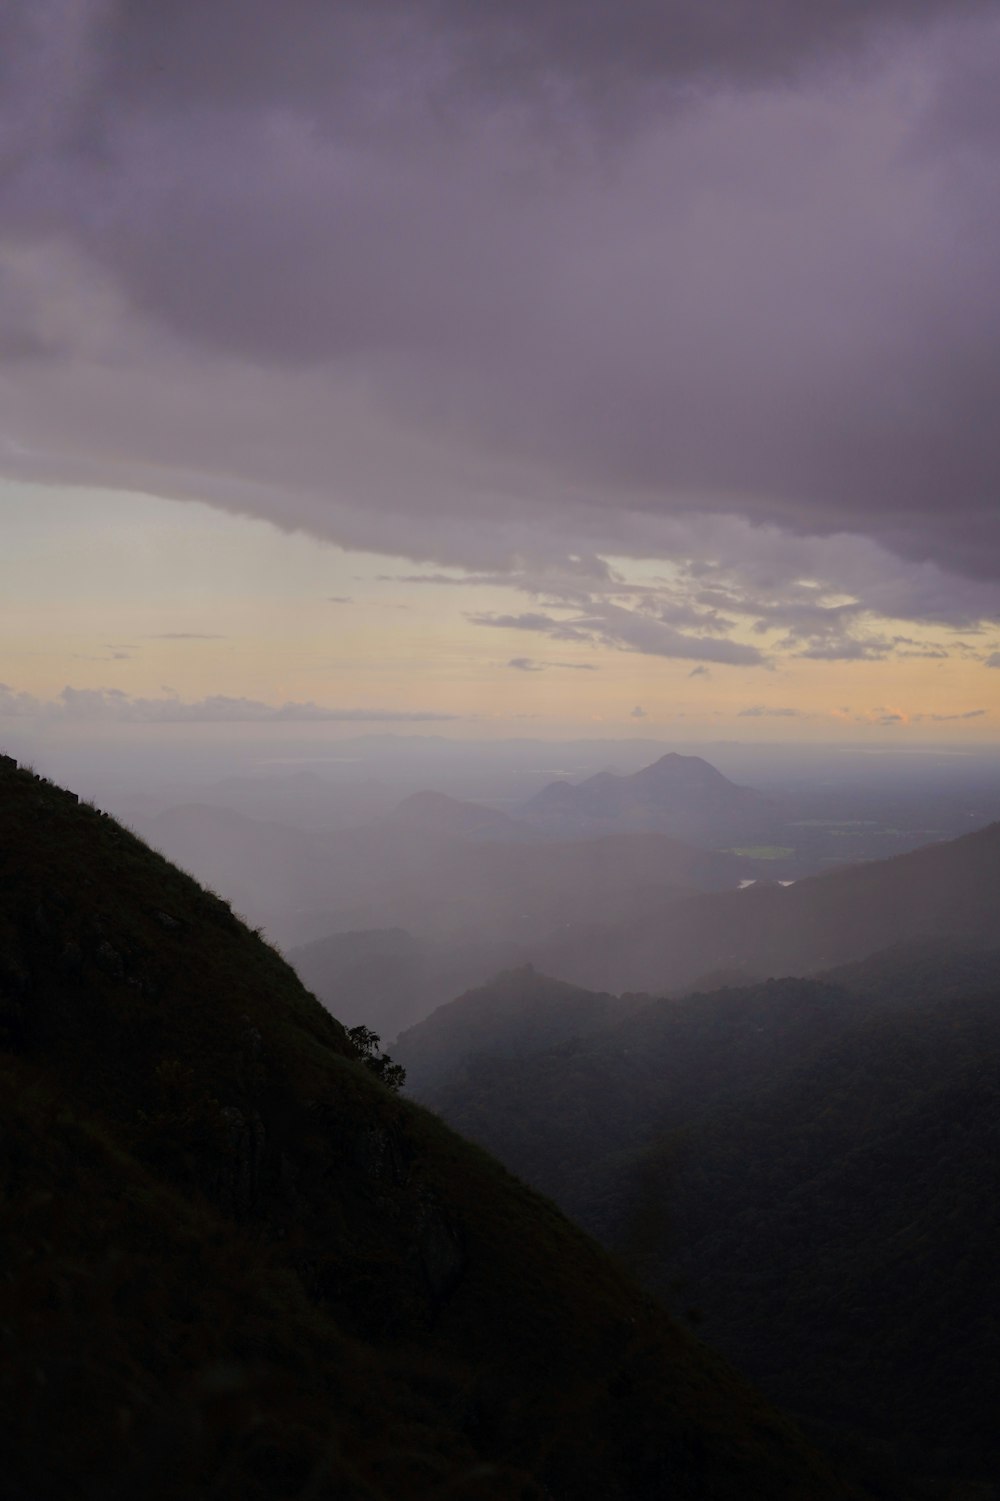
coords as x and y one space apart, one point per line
500 516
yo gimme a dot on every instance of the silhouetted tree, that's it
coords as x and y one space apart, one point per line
368 1044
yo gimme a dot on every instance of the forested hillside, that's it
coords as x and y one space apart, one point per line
807 1170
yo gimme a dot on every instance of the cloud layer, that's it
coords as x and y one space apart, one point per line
489 285
114 705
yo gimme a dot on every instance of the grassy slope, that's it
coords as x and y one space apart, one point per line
238 1267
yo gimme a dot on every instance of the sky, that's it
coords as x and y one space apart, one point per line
501 368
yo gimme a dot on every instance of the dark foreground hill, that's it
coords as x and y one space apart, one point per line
236 1266
811 1168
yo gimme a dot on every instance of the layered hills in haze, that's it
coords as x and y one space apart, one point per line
943 890
391 918
238 1266
439 866
437 814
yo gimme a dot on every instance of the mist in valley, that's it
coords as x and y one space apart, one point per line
398 871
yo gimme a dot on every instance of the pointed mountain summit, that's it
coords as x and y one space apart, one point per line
680 795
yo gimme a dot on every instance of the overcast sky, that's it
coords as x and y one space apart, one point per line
599 363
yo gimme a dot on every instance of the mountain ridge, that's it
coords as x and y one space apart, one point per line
680 795
940 890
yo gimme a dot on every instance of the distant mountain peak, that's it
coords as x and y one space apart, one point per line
681 795
439 813
678 767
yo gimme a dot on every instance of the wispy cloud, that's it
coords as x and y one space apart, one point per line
114 705
943 718
528 664
848 649
884 714
532 620
765 711
606 624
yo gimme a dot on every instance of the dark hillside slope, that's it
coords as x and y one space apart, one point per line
236 1266
945 890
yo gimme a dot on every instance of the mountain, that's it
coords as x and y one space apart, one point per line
519 1012
679 795
376 975
492 908
387 979
809 1171
237 1266
437 813
945 890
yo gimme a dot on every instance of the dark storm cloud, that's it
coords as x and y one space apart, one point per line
230 50
486 284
